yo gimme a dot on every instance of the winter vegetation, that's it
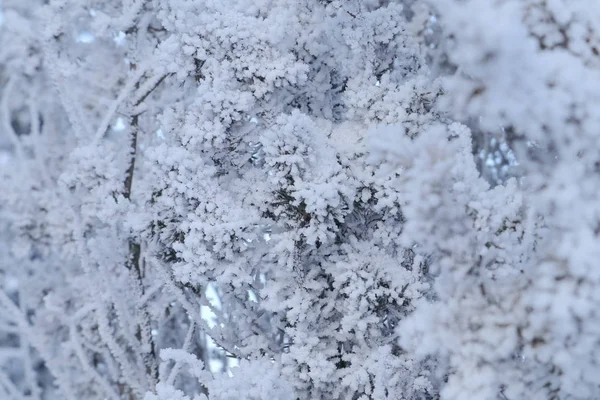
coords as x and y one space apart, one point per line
299 199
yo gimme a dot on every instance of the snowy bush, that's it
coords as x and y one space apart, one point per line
299 199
